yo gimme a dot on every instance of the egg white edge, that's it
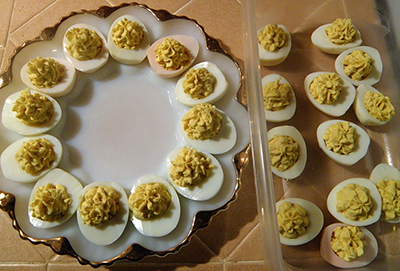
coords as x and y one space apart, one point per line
314 227
352 158
268 58
287 112
127 56
146 227
116 225
74 190
205 190
220 88
346 97
361 111
297 168
374 193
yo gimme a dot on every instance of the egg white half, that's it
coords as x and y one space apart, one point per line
315 225
62 88
221 143
287 112
12 123
268 58
341 105
73 188
297 168
205 190
360 151
370 252
220 88
109 232
11 169
376 71
90 65
191 45
373 192
320 39
127 56
167 222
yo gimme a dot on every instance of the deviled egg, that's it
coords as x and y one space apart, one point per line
165 223
372 108
287 144
343 33
208 186
43 69
276 38
360 65
363 212
128 40
279 98
85 47
73 189
203 83
348 143
13 123
44 152
370 249
346 92
314 221
185 49
108 231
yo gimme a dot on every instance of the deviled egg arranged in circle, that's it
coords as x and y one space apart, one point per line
73 188
63 87
219 85
165 223
206 188
12 123
370 250
372 70
360 145
277 55
314 225
277 152
11 167
132 38
374 203
338 107
90 46
383 107
182 59
287 111
107 232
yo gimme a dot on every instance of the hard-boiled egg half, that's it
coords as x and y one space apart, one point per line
376 71
128 55
387 173
338 107
287 112
320 39
370 250
272 58
191 48
221 143
298 167
12 123
65 85
89 65
207 188
374 213
13 171
160 225
362 144
316 221
362 112
108 232
73 189
219 90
